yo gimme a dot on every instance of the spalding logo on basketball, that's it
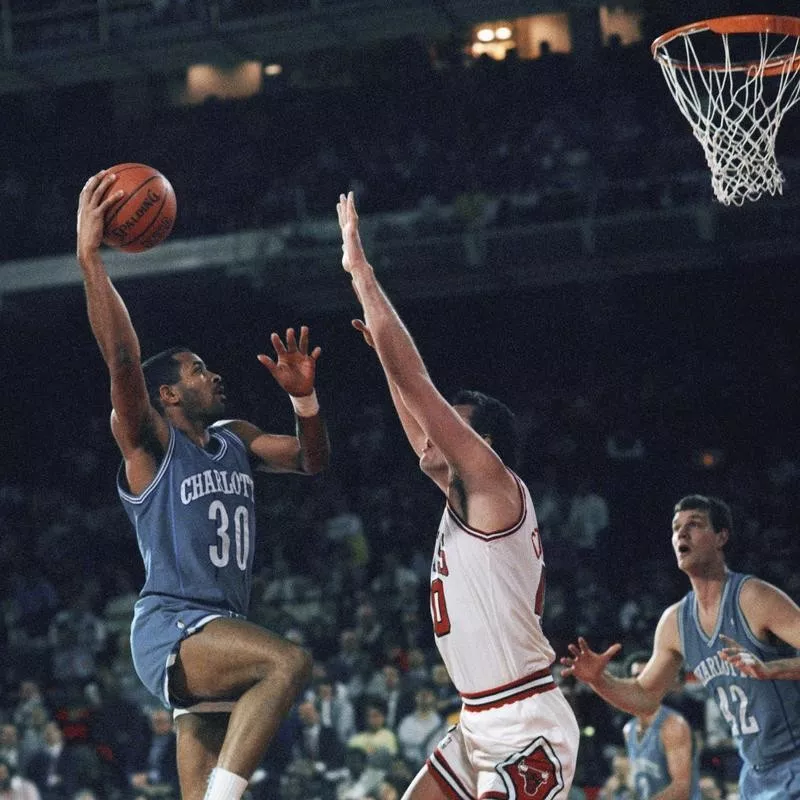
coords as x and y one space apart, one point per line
534 774
144 216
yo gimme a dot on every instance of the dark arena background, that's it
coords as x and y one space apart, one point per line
542 217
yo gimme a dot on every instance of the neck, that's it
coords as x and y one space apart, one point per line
644 721
196 430
707 584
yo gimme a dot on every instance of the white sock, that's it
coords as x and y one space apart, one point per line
224 785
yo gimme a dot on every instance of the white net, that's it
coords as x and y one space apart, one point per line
735 108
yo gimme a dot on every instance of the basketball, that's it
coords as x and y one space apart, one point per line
143 217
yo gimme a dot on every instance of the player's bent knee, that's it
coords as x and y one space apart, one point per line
301 665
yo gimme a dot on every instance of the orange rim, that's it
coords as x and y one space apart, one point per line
745 23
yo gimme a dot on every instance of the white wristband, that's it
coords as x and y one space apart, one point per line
307 406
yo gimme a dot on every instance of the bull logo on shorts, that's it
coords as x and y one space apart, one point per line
534 774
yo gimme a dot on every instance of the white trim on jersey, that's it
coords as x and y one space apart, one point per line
538 682
491 535
446 777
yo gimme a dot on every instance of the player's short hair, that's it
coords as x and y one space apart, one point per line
162 369
719 512
492 418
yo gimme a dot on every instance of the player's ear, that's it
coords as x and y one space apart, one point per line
722 537
168 395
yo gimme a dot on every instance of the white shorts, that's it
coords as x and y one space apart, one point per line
525 750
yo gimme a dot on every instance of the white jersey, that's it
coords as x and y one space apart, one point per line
487 592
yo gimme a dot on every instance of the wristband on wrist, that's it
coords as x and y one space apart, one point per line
306 406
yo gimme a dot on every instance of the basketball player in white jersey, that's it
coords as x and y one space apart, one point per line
517 737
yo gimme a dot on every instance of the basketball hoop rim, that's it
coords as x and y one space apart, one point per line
743 23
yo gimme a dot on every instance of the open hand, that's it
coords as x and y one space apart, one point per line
746 662
95 200
353 255
294 368
584 663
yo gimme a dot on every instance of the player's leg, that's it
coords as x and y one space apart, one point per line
232 658
448 774
199 740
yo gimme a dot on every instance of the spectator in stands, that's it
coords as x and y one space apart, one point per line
14 786
420 731
710 787
618 785
9 745
375 739
30 701
335 709
350 661
77 636
448 700
317 742
157 776
33 736
60 769
387 684
357 779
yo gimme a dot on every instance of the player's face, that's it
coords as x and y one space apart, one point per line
694 540
202 391
431 460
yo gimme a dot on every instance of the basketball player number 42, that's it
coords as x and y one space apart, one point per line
746 723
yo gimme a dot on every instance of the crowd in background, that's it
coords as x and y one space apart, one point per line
535 141
629 395
609 444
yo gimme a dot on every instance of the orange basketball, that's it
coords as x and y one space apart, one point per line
143 217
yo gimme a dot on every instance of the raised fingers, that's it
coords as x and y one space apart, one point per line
277 344
303 344
340 210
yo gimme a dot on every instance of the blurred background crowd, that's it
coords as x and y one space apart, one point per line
631 391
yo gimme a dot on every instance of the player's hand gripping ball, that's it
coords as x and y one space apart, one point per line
143 217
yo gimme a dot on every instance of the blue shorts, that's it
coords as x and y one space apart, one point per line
159 626
778 782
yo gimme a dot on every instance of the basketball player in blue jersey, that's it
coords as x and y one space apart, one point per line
186 483
662 751
739 635
517 737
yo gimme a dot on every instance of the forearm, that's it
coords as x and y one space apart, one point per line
315 448
625 694
393 343
784 669
108 315
411 428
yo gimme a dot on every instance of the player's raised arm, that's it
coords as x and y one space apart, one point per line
110 321
639 695
294 369
476 464
413 431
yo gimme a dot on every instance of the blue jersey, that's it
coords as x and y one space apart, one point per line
195 523
764 716
648 759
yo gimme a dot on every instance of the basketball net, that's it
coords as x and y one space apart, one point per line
735 108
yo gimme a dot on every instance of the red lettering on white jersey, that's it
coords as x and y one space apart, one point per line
486 601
